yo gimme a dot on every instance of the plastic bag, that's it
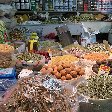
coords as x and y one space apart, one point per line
21 47
62 99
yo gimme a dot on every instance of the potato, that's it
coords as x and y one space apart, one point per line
58 75
43 71
68 70
59 68
68 77
63 72
50 70
55 69
78 69
73 74
72 68
81 72
45 66
63 78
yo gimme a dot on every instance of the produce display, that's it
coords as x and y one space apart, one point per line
63 71
47 43
96 56
97 87
43 53
76 52
75 49
29 57
31 96
74 46
52 22
56 52
6 61
82 17
16 34
51 77
97 47
6 52
53 51
106 63
4 48
63 59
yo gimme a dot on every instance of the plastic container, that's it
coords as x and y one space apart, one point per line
8 73
5 84
21 47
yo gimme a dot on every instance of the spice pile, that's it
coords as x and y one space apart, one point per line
31 96
6 52
5 61
63 59
96 56
29 57
106 63
64 71
76 52
16 34
48 44
97 87
4 48
97 48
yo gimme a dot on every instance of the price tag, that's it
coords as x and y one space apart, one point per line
104 70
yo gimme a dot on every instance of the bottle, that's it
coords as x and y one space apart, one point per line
33 42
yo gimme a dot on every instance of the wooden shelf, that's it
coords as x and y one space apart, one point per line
31 12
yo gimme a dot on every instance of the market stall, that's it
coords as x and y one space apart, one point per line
43 68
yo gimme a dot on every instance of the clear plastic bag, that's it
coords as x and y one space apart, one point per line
63 99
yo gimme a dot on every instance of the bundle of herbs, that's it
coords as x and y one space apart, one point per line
97 87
